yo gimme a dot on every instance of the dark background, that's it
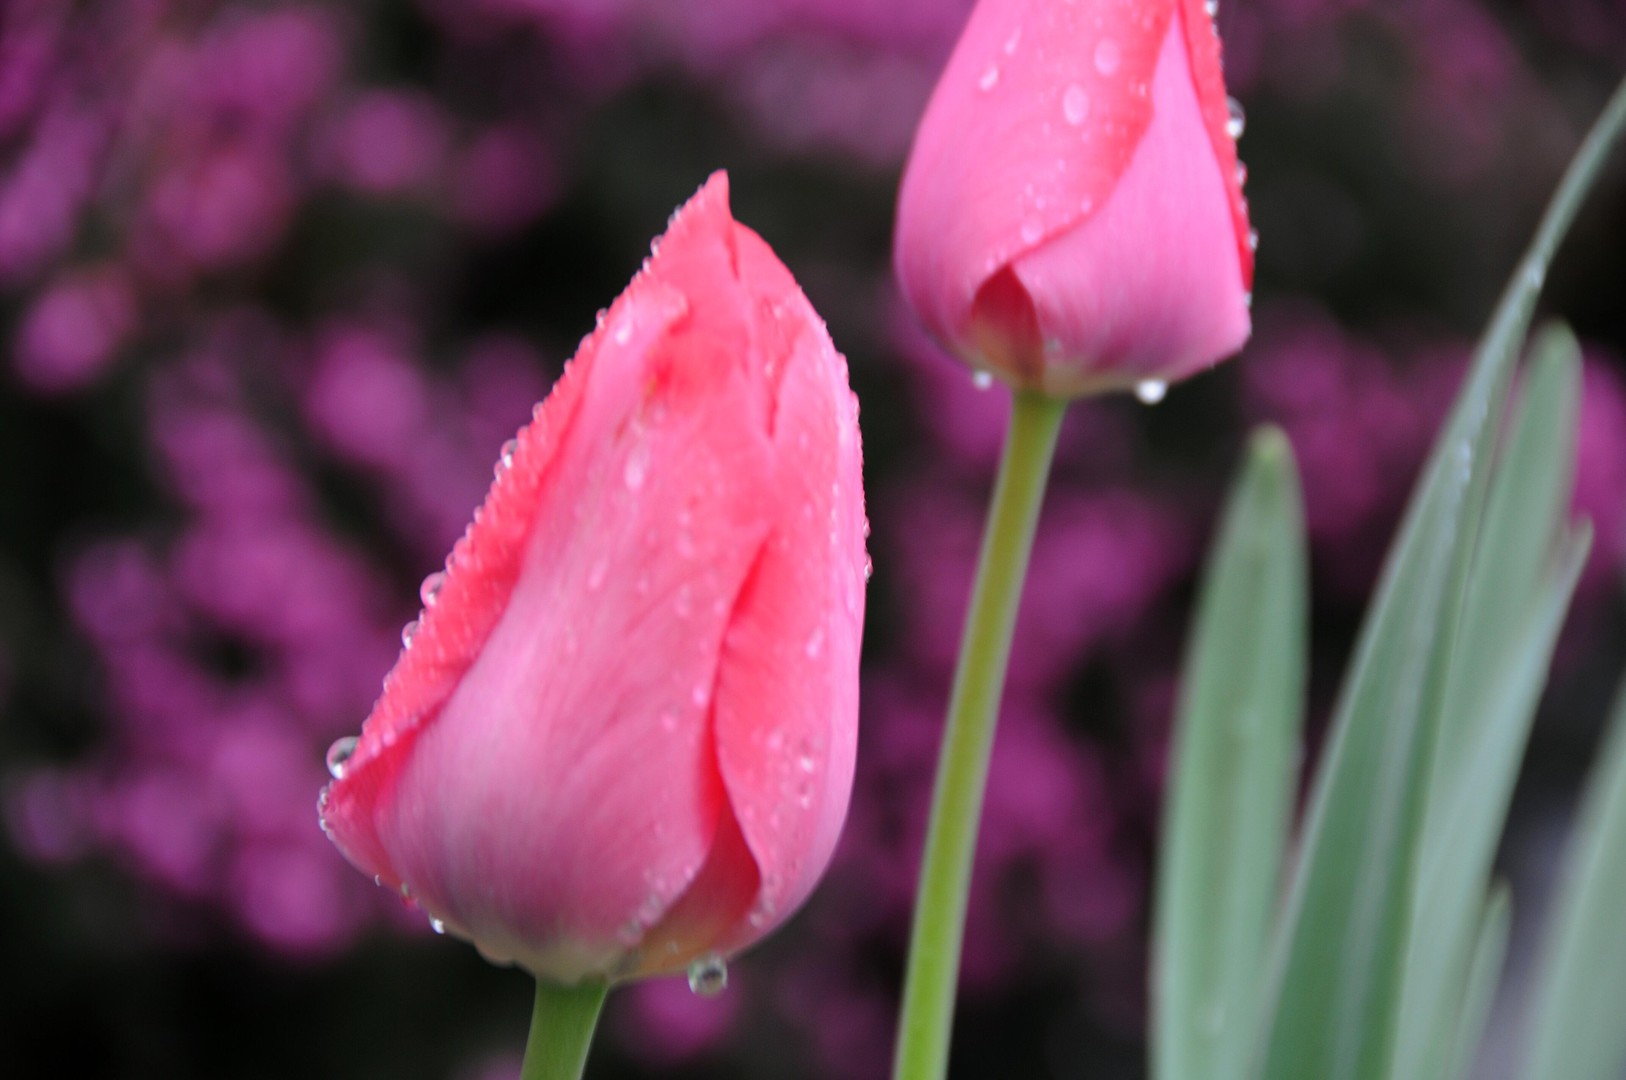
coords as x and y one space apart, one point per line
277 280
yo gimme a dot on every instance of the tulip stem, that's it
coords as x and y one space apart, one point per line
562 1023
962 765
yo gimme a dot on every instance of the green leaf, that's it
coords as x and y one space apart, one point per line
1515 607
1484 972
1234 775
1578 1034
1343 940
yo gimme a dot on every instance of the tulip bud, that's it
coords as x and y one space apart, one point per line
620 739
1071 216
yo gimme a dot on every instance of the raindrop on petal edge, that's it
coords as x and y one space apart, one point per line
430 589
1151 391
339 753
708 976
1235 120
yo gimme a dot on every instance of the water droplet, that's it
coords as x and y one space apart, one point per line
508 450
595 575
668 721
1032 229
708 976
869 567
982 380
1075 104
1013 41
807 763
430 589
1151 391
406 892
990 78
815 644
1253 239
623 331
1235 120
1247 298
1241 174
1108 55
339 753
699 694
637 469
1211 7
408 632
437 925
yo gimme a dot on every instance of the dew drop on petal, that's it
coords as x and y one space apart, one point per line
637 468
436 925
1235 120
815 644
1211 7
430 589
1013 41
1075 104
1241 174
989 79
339 753
1032 229
708 976
1151 391
982 380
509 448
408 632
1253 239
1108 55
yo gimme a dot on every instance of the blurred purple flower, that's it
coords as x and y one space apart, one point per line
503 180
1600 473
45 188
385 143
667 1025
74 330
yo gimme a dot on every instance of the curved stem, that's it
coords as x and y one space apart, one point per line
562 1023
962 766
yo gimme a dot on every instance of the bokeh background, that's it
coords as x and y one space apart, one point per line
278 278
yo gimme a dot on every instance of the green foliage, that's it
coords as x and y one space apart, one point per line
1236 767
1577 1032
1387 950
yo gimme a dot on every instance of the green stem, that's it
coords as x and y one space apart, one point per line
562 1023
962 767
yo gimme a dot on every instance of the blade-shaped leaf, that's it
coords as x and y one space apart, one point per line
1484 972
1515 607
1335 1001
1233 777
1577 1032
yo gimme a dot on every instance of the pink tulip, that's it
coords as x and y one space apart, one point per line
1071 217
620 738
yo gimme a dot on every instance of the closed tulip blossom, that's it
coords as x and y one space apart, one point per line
619 741
1071 217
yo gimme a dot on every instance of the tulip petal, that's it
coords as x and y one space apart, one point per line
1035 119
787 705
1122 290
554 796
1074 173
